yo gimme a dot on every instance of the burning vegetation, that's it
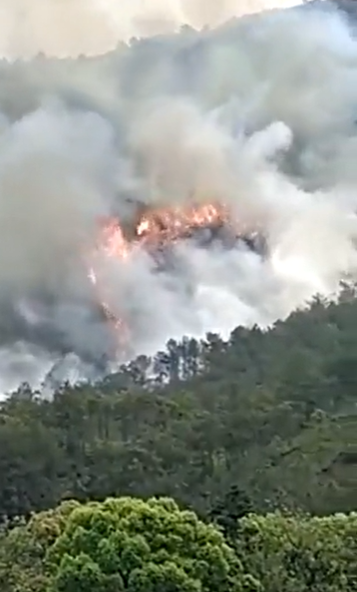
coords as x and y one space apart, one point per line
155 231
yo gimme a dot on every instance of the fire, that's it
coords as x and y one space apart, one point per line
169 224
110 243
112 240
155 228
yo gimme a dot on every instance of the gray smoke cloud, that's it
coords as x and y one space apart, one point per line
228 115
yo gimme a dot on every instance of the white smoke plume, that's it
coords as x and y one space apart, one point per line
259 114
73 27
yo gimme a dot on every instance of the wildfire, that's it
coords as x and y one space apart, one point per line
154 228
110 243
167 225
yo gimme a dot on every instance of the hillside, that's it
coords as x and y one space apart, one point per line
271 415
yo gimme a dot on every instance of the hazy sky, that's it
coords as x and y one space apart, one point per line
71 27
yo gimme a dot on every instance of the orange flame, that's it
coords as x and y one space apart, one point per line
154 228
111 243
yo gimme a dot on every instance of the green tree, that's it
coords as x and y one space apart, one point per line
273 412
23 549
296 553
227 511
138 546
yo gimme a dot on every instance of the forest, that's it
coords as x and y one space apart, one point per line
216 465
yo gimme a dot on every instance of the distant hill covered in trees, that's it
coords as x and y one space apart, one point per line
265 420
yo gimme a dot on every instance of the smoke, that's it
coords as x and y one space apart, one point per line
73 27
225 115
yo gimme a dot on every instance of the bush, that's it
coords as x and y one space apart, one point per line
137 546
296 553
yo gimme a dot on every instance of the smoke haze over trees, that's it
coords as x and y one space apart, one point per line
250 434
220 115
178 229
273 414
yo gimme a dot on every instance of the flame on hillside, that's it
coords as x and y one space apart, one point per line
154 229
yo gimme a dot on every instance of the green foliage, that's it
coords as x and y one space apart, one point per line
21 567
227 511
131 545
296 553
265 420
23 549
271 414
137 546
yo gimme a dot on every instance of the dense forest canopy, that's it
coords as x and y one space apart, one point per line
270 413
127 544
254 438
